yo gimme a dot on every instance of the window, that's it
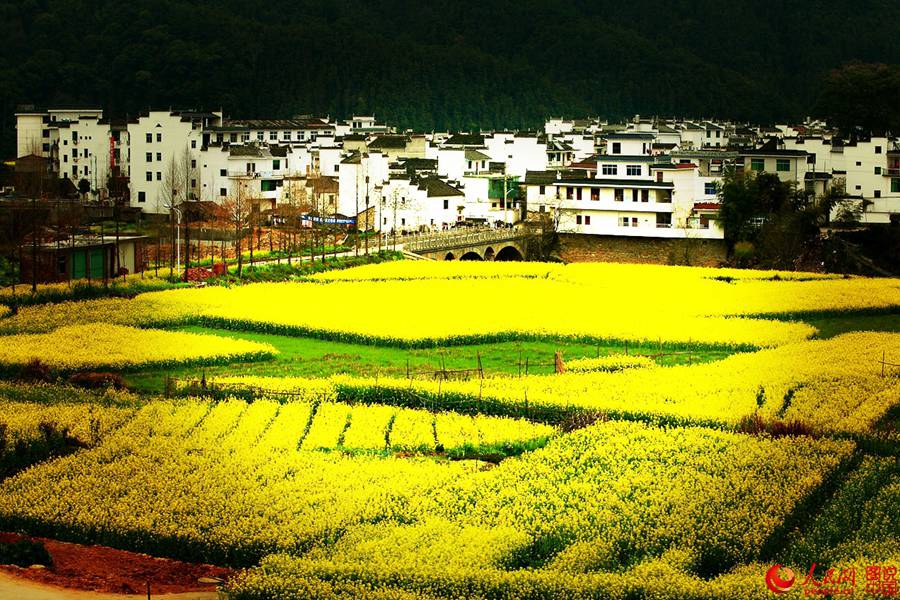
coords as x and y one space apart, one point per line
158 137
276 164
193 144
223 192
193 164
403 221
634 195
858 163
587 219
232 137
569 193
273 136
595 194
782 165
634 221
193 183
619 195
149 176
633 170
877 149
159 157
149 138
286 135
260 136
578 219
541 190
709 188
878 170
267 185
895 186
223 173
579 191
149 157
610 169
446 204
142 196
645 195
617 148
158 176
623 221
708 133
878 193
757 164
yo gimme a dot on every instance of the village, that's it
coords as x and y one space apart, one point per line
628 191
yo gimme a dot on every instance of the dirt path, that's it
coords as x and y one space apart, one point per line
16 588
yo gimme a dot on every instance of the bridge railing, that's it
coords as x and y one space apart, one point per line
438 241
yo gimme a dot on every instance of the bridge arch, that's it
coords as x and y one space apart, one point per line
489 253
471 255
450 256
509 253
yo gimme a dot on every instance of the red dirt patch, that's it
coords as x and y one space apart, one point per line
102 569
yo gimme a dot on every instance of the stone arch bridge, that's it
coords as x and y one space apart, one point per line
480 244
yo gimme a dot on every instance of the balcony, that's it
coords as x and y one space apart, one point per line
891 172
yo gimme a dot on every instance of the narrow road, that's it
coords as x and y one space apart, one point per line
16 588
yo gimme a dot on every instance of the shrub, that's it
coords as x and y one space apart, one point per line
24 553
98 380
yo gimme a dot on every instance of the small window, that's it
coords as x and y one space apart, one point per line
149 157
633 170
895 186
757 164
610 169
193 183
877 149
193 164
619 195
782 165
645 195
158 137
578 219
142 196
223 173
878 193
446 204
709 188
260 136
193 144
158 176
579 191
149 176
541 190
634 221
587 219
276 164
149 138
617 148
634 195
878 170
159 157
623 221
595 194
223 192
273 136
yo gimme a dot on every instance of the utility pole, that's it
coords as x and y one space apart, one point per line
367 215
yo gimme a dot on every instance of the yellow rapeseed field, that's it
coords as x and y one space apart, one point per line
100 345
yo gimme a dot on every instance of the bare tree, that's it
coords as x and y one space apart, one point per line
237 209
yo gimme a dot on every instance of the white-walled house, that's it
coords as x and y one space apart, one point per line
359 177
163 141
867 169
419 204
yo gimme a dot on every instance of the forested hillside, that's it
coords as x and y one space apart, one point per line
492 63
